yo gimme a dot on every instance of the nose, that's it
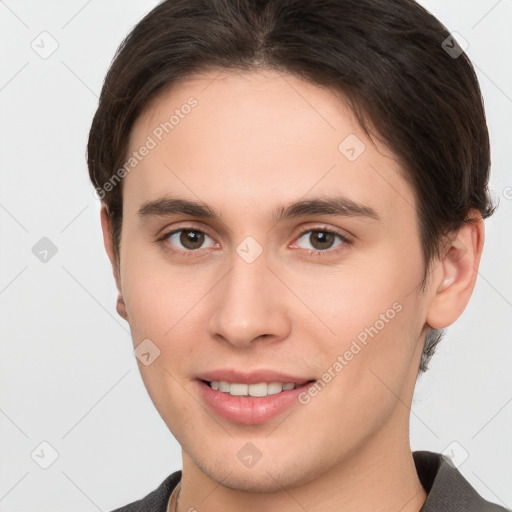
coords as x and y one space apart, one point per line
249 304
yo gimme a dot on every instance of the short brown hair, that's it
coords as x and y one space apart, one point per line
388 58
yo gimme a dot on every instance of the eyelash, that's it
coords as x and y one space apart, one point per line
315 252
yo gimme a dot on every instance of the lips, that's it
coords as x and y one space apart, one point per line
249 410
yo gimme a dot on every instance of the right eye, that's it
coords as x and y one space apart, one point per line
187 239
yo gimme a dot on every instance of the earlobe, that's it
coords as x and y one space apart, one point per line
121 307
456 274
106 226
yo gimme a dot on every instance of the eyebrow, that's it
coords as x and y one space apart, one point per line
323 205
169 206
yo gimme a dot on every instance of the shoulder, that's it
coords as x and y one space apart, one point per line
447 489
155 501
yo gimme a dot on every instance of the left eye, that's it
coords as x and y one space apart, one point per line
188 239
320 240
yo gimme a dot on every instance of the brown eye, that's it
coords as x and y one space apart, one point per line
189 239
320 240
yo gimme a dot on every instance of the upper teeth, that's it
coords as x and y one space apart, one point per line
256 390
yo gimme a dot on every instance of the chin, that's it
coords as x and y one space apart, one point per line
264 477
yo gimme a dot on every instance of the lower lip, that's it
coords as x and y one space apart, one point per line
249 410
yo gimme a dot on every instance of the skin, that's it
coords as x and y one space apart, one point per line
256 142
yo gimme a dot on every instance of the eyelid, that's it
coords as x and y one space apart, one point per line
179 226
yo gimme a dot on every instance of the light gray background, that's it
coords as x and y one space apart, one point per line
67 370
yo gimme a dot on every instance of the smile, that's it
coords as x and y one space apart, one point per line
250 404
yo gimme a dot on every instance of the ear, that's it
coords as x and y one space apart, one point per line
456 273
106 227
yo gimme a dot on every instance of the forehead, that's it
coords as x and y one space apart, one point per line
257 139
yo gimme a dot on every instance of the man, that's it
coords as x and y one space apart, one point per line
293 201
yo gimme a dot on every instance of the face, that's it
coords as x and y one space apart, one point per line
299 263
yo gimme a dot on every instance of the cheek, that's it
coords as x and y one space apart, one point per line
354 296
371 310
160 304
158 296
